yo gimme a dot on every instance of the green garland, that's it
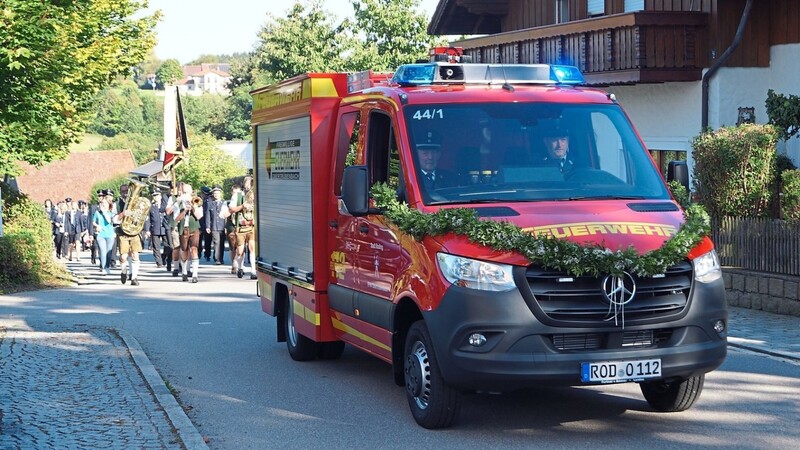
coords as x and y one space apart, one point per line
547 251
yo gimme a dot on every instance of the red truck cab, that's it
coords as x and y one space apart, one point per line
520 144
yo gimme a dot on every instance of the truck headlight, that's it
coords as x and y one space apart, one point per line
706 267
474 274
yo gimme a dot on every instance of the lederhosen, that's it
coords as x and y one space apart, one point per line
189 236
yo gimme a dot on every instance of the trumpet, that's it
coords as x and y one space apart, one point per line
197 201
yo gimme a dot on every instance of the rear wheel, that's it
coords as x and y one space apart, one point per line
673 396
434 404
300 347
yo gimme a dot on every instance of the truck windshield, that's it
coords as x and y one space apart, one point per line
507 152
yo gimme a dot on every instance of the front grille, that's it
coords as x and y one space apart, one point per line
603 341
562 297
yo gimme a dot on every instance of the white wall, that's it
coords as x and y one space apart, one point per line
732 88
667 115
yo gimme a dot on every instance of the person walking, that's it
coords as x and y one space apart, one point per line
74 230
129 244
205 236
61 231
172 209
215 224
155 228
90 229
104 234
243 207
189 232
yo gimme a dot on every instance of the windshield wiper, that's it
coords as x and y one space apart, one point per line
607 197
468 202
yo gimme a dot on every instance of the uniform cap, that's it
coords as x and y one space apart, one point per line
429 140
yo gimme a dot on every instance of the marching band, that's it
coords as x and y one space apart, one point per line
178 224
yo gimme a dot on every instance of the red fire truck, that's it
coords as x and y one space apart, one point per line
523 144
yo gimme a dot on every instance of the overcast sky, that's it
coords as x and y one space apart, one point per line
190 29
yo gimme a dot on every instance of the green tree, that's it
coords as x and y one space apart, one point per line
142 146
306 40
234 122
201 112
153 115
168 73
54 58
119 110
394 33
206 165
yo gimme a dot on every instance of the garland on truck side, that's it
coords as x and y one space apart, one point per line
547 251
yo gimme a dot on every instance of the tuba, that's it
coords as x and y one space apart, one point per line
136 209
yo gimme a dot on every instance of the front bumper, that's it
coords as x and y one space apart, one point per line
521 351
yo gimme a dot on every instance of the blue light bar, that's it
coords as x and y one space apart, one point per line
415 74
567 74
457 73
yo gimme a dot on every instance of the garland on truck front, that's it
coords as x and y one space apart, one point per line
547 251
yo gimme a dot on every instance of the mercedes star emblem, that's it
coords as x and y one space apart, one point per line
619 289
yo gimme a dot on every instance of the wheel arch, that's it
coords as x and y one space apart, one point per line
280 299
405 314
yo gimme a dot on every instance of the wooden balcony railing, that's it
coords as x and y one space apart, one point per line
640 47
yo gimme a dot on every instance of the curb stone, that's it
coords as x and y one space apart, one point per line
188 433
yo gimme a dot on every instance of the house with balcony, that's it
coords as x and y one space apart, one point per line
205 78
676 66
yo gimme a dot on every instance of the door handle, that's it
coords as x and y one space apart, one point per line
334 224
363 229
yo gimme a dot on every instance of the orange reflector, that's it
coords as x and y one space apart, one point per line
703 247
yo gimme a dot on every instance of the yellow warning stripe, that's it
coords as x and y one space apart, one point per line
306 313
341 326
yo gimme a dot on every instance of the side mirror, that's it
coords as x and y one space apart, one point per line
355 190
679 170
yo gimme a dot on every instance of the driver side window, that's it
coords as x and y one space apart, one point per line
383 156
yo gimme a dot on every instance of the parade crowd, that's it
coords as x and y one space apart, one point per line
180 226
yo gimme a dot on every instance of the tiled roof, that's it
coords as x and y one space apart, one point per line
74 176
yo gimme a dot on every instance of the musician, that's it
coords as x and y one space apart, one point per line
130 245
189 231
242 206
172 209
155 228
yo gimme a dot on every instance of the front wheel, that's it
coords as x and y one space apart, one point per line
434 404
300 347
673 396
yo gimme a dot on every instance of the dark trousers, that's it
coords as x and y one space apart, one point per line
155 245
62 242
166 256
205 244
218 239
94 249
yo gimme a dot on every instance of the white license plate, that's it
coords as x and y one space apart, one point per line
620 371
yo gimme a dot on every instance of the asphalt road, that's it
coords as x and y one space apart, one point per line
211 342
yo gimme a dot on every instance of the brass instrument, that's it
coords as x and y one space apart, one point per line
248 205
136 209
197 201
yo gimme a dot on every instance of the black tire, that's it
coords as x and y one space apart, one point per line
434 404
300 347
673 396
330 350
